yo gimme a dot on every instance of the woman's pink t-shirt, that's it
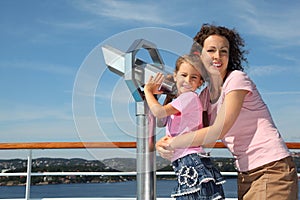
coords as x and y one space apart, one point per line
253 139
189 119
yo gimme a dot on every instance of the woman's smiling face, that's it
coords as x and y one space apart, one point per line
215 54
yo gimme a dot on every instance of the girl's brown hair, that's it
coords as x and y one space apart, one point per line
192 59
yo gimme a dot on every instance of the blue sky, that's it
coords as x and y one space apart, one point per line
46 46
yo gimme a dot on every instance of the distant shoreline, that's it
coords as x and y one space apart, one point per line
81 165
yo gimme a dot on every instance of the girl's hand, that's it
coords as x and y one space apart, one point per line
164 149
154 83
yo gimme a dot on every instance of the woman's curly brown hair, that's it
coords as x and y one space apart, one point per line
236 44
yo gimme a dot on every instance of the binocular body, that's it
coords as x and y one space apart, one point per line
135 71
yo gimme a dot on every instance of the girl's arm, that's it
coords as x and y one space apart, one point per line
162 122
156 108
225 119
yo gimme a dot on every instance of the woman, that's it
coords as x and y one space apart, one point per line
242 121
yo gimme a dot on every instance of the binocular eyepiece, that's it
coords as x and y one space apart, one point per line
168 86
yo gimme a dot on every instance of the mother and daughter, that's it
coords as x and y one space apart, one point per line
237 115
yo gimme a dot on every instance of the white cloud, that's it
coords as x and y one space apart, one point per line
38 66
142 11
81 25
272 20
273 70
31 112
266 70
282 93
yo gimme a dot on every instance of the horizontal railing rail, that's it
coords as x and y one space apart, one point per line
158 173
82 145
85 145
66 145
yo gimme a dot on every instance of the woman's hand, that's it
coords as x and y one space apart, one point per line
164 149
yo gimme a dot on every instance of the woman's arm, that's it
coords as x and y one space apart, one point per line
156 108
225 119
163 148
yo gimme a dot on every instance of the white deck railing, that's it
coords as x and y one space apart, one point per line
76 145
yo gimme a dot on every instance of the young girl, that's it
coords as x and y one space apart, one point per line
197 177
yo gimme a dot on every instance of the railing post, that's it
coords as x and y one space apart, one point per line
28 179
146 156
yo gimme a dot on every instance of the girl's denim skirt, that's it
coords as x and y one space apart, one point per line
197 178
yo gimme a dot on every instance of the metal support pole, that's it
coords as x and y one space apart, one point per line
135 72
28 178
146 156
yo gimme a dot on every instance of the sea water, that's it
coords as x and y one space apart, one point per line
119 189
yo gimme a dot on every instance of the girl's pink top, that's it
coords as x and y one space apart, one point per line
189 119
253 139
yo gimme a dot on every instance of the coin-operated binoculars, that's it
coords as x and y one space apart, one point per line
136 73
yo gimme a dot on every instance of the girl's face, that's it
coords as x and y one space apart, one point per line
187 78
215 54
